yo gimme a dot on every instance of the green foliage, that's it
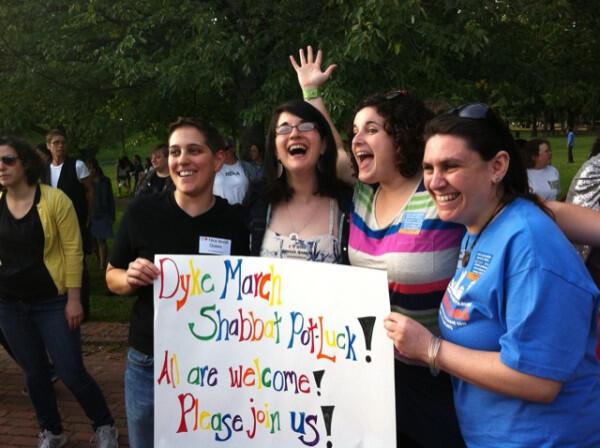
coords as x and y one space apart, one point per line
106 69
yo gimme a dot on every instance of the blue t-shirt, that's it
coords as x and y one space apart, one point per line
570 138
526 294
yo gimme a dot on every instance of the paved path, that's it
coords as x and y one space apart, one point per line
104 350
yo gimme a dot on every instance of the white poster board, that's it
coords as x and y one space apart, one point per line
260 352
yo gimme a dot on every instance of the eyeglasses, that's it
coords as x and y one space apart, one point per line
474 111
9 160
396 93
305 126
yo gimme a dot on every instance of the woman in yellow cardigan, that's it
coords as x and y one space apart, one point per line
40 278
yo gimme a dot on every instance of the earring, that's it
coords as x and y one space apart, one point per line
279 169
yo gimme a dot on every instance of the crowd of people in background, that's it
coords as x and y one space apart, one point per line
485 319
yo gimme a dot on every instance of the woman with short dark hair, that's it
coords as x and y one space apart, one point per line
172 222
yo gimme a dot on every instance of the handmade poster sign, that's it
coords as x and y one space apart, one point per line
260 352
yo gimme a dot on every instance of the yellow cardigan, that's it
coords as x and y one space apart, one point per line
63 253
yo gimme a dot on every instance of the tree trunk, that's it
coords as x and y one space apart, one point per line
534 129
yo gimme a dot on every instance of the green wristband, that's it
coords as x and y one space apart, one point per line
310 93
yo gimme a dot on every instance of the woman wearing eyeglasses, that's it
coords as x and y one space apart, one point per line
518 319
298 211
40 278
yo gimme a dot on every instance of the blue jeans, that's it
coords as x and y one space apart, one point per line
33 327
139 399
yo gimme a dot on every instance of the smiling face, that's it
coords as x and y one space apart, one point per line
11 174
192 164
373 148
465 188
298 151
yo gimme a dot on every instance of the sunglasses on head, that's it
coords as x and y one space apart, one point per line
473 111
8 160
395 94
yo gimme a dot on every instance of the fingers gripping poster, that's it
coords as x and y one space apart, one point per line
260 352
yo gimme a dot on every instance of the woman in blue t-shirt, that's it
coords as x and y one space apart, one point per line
518 320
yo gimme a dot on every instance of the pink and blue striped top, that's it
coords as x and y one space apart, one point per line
417 249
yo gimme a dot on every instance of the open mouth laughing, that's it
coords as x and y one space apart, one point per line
297 149
363 155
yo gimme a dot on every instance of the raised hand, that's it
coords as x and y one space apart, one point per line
309 70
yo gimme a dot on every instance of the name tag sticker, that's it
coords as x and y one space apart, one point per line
412 222
214 246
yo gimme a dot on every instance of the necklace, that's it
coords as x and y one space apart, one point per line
295 235
467 252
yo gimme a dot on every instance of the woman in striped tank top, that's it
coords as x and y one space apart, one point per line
394 226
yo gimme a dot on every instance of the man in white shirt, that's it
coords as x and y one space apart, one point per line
231 182
73 177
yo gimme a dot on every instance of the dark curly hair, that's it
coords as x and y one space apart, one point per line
405 117
277 188
33 165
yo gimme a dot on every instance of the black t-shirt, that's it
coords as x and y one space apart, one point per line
156 225
23 274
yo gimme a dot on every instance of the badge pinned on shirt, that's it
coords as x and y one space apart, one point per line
412 222
214 246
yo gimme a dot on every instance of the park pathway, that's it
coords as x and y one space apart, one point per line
104 349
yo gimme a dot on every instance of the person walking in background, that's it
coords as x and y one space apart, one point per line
123 180
136 171
570 144
157 178
231 182
40 285
544 179
72 177
176 221
103 211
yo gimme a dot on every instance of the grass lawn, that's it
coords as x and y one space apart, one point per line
583 144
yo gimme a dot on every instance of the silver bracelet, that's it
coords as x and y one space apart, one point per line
432 351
